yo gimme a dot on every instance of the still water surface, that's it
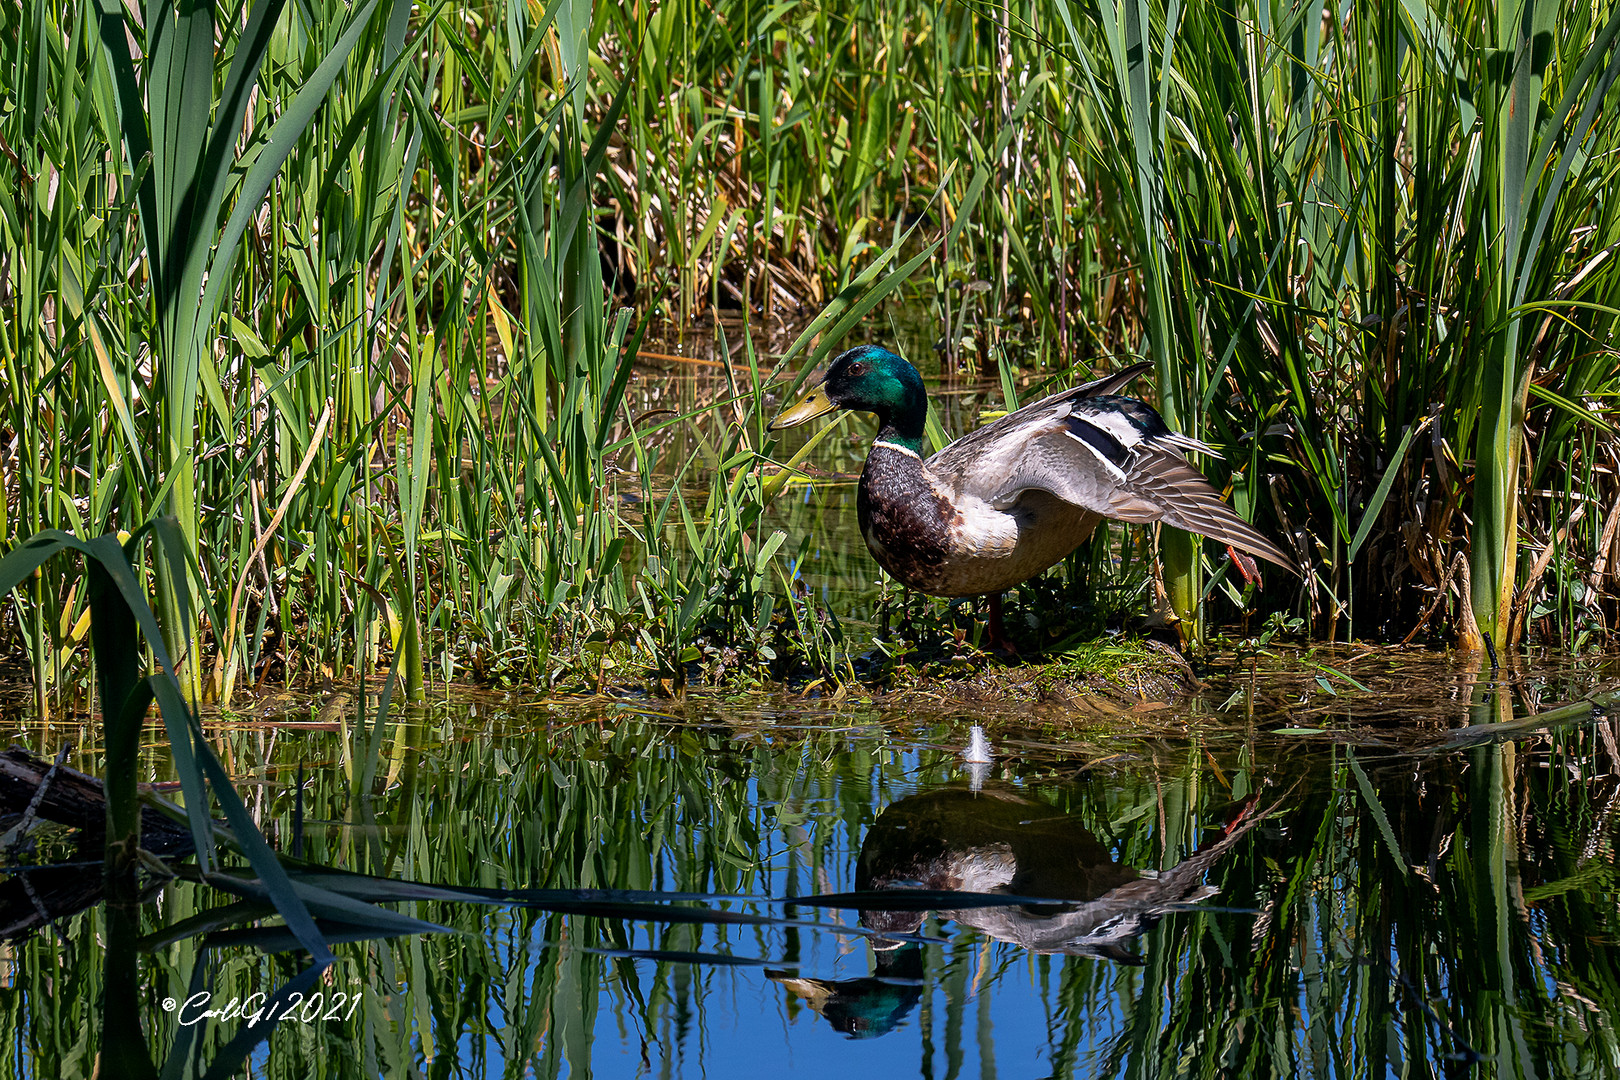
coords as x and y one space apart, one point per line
1289 878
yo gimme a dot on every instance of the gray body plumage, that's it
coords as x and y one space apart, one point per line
1005 502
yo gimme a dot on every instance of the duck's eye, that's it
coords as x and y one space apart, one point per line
857 368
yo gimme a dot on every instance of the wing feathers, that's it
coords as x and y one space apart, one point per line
1108 384
1190 502
1110 455
1100 454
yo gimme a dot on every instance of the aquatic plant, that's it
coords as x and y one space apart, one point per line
121 623
353 309
1409 899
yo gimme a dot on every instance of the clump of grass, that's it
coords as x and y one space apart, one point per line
381 370
1346 271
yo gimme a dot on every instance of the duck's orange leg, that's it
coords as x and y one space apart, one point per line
1245 566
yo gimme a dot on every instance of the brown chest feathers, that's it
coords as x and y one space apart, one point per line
961 546
904 521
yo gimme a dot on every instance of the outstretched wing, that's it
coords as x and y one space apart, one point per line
1110 455
1188 501
980 461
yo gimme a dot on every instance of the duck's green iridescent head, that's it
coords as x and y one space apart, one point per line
869 379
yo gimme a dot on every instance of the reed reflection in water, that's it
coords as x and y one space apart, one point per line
1388 898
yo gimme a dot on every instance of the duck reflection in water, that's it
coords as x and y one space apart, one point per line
998 840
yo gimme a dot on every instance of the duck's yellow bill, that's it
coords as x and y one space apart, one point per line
812 403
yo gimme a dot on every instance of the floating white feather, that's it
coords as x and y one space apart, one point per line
978 750
978 756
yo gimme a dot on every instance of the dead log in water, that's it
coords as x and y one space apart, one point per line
31 788
31 785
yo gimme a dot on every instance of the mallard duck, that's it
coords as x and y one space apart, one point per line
1000 505
997 839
